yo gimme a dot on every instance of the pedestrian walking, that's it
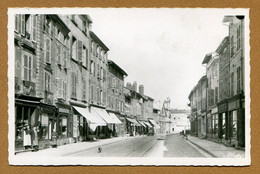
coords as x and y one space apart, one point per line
185 134
35 141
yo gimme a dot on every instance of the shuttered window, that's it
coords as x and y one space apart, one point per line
17 21
65 58
23 25
79 50
64 89
74 48
34 26
27 67
84 89
73 85
238 37
47 81
58 54
47 50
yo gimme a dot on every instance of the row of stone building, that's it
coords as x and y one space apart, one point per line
66 88
217 101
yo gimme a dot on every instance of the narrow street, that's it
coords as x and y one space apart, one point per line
147 146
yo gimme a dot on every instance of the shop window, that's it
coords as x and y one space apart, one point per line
223 125
44 126
63 127
234 124
27 67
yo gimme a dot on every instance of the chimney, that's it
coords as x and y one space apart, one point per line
128 85
141 89
135 86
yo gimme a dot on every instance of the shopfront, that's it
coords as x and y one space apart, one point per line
27 111
47 126
223 121
64 124
236 126
215 126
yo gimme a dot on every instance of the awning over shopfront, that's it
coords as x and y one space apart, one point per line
142 123
134 121
92 117
154 123
148 124
104 115
114 117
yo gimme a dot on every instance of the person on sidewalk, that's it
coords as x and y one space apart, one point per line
185 134
35 142
27 137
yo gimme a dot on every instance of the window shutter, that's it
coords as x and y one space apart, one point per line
72 85
23 24
79 50
34 67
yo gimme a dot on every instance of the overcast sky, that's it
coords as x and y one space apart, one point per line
160 48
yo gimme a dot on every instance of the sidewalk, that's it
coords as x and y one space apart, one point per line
74 148
215 149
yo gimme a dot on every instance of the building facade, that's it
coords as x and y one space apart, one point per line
115 95
235 133
61 82
225 106
212 72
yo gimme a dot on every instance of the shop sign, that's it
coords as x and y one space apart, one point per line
64 110
214 110
233 105
223 107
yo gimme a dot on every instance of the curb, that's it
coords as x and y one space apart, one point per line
205 150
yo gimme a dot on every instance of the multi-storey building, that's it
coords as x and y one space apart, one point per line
115 95
138 107
60 81
193 116
224 83
78 75
202 105
236 108
225 74
36 43
212 66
